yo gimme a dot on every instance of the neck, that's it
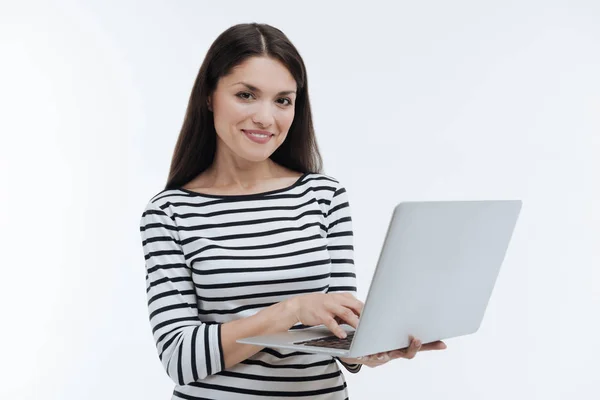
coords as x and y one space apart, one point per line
231 170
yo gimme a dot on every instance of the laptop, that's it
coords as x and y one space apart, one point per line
433 280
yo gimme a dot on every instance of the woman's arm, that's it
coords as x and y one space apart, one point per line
273 319
340 244
190 349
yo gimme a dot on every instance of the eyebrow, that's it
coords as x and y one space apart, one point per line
254 88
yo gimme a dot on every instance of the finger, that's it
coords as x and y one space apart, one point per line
415 346
408 352
349 301
394 354
340 320
363 359
346 314
411 340
370 361
412 344
382 357
334 327
414 349
378 359
439 345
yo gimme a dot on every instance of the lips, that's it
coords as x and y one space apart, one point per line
257 136
257 131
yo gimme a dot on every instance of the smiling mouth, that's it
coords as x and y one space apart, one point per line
258 137
257 133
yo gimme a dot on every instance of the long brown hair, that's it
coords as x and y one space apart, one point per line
196 144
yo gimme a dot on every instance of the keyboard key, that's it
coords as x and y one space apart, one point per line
333 342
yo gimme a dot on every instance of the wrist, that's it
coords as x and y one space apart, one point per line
290 308
278 317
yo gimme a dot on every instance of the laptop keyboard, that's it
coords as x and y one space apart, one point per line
333 342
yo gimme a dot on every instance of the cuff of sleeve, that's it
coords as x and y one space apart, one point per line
353 368
216 348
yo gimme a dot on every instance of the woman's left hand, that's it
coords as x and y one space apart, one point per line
375 360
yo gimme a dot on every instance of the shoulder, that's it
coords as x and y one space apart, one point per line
322 178
329 187
161 202
322 182
330 180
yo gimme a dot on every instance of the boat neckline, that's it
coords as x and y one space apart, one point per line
245 195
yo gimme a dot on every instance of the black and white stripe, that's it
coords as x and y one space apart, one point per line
211 259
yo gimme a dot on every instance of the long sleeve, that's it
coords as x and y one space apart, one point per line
340 243
189 349
341 251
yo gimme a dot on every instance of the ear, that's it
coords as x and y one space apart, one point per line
208 103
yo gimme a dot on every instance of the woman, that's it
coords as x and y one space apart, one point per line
249 237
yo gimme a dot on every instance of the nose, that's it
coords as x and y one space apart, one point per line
263 115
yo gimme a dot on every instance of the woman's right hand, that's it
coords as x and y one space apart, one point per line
329 309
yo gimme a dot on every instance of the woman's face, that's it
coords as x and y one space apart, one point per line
258 95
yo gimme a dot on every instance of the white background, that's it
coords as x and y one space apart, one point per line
427 100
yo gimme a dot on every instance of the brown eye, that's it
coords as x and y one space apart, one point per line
240 95
288 100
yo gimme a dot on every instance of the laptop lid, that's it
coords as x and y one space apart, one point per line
435 273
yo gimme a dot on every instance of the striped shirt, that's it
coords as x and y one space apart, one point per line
211 259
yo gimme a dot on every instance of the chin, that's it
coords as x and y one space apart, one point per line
254 157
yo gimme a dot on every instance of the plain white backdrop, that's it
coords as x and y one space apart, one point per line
429 100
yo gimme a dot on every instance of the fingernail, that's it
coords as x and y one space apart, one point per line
380 357
344 335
